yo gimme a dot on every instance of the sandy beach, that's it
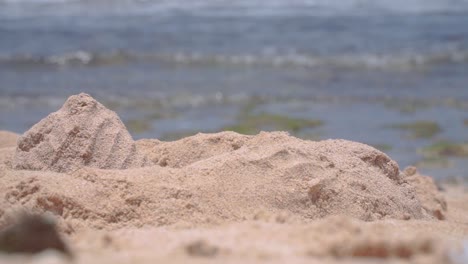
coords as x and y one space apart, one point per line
218 197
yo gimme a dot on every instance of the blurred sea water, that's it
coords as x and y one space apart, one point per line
392 74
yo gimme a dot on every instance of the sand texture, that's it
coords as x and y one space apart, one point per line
221 197
8 139
82 133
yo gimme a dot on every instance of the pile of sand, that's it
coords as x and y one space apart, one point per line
201 179
82 133
427 192
81 165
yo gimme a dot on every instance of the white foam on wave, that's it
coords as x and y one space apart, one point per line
30 101
75 58
359 61
153 99
402 62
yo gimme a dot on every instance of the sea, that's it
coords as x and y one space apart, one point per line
389 73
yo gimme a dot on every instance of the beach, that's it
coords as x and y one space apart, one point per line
269 197
391 74
247 131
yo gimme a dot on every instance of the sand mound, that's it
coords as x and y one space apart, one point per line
291 179
206 178
309 179
313 179
177 154
82 133
427 192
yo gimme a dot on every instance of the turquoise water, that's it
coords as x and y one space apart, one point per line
171 68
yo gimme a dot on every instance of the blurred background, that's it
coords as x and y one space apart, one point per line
389 73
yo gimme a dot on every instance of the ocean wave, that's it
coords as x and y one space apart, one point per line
148 101
361 61
405 62
236 8
188 99
76 58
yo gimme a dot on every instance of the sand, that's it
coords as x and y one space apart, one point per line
221 197
82 133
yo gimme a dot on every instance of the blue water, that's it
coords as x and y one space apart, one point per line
355 64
